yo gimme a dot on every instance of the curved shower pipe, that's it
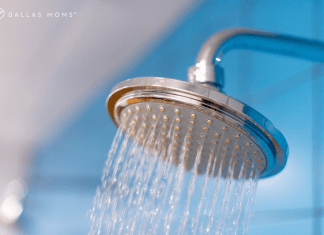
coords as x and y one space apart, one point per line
208 70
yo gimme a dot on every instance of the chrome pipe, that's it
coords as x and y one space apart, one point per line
207 69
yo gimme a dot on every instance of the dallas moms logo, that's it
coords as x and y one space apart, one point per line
2 13
37 14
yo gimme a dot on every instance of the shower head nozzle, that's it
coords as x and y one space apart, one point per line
189 118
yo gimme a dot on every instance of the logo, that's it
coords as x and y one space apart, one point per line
11 14
2 13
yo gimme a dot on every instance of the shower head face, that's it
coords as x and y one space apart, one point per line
198 127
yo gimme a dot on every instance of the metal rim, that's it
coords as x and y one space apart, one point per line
207 100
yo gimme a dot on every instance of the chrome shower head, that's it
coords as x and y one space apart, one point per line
192 117
196 120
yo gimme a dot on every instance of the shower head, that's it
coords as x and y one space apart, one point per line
188 116
194 119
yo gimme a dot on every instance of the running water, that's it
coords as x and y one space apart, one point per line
148 189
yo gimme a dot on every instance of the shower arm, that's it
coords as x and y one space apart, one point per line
208 71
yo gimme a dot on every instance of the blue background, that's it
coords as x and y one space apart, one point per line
287 91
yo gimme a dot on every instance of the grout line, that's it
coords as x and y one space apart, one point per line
317 125
262 218
281 87
245 58
277 89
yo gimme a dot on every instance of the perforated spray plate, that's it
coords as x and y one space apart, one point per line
190 135
195 123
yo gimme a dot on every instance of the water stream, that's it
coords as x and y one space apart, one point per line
147 190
